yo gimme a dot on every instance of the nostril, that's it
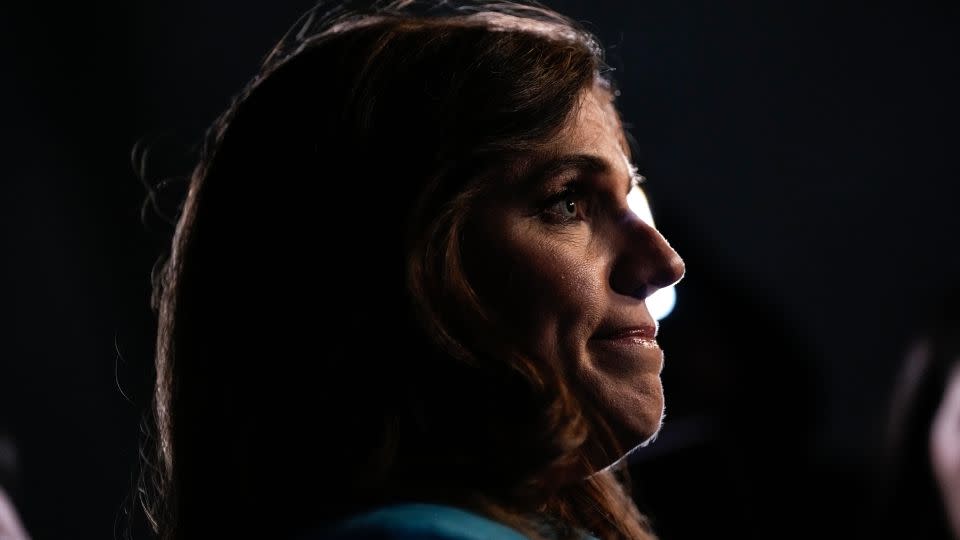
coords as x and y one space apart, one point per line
641 292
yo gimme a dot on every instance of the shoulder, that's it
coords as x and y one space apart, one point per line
417 522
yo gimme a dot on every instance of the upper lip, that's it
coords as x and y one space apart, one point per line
643 330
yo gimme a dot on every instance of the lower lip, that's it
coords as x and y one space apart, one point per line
632 351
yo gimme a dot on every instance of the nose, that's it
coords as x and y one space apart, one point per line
644 261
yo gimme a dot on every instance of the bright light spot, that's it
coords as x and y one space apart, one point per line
637 201
662 301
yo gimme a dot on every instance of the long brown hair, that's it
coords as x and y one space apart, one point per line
320 348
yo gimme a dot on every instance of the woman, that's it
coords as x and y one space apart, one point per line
406 293
922 495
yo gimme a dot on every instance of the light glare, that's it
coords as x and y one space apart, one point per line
661 302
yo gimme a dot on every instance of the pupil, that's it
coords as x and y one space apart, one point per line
571 206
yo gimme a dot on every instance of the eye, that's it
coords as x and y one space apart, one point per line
566 206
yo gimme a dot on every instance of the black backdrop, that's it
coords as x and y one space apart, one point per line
801 155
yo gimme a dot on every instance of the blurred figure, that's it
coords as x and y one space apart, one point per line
11 527
922 467
945 449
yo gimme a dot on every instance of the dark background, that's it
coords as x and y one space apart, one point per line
801 156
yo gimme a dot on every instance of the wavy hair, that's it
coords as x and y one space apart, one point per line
320 348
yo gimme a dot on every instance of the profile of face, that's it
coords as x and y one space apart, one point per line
565 262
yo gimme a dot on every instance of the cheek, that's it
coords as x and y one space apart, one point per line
552 290
545 284
556 289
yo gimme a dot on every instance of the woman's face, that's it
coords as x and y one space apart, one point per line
567 265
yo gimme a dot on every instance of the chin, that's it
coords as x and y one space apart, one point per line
632 407
650 435
645 433
635 433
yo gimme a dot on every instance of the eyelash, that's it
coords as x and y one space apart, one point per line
574 191
636 179
568 193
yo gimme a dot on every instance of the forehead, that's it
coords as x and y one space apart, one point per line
593 131
594 125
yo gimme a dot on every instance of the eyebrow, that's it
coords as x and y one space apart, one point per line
582 163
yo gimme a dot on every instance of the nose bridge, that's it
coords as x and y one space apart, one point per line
645 261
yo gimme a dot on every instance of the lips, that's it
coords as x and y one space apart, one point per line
628 350
641 332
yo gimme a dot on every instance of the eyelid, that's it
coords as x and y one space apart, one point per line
570 186
570 190
579 185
